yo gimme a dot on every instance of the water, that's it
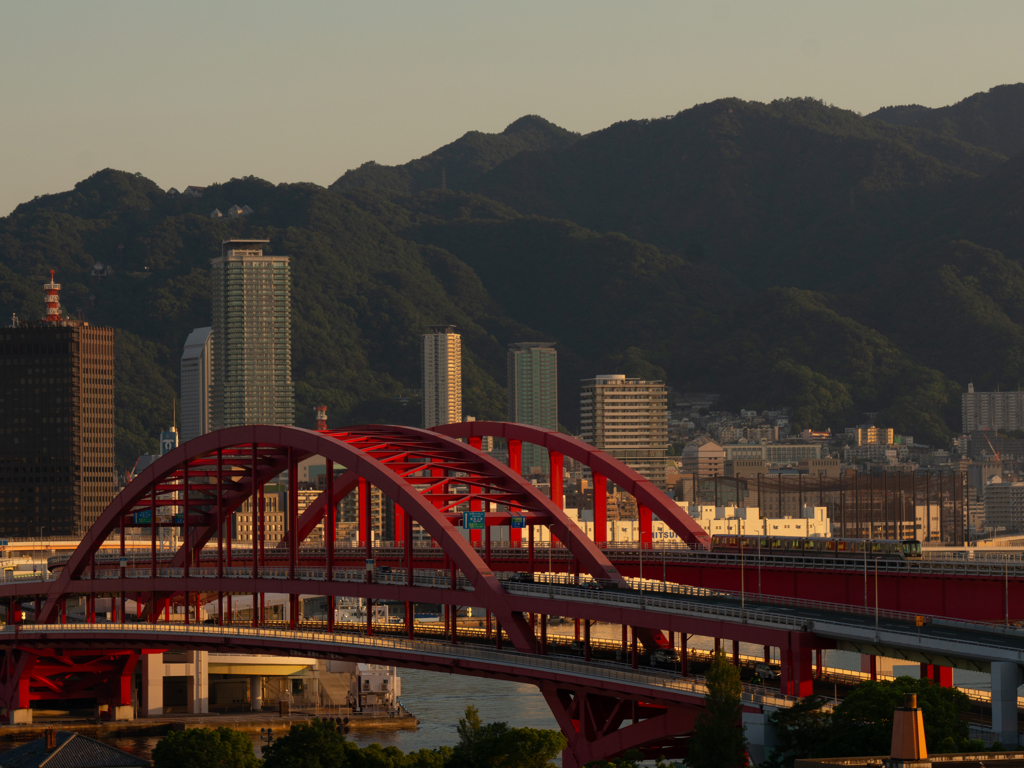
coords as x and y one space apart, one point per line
439 700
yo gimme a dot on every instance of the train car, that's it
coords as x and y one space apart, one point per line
880 549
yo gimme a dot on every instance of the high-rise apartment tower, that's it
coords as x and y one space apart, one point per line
252 346
627 418
57 416
442 376
992 410
533 394
196 380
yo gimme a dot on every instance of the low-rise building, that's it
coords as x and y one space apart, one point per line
1004 506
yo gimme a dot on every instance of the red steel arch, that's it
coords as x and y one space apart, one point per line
427 474
650 499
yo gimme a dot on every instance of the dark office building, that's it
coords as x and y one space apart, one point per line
57 422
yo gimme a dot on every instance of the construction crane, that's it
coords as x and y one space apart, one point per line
994 451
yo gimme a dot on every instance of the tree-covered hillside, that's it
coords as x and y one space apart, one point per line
784 254
994 119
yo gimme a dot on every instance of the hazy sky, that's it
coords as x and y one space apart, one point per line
198 92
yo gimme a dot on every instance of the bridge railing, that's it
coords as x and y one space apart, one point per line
934 563
653 596
656 679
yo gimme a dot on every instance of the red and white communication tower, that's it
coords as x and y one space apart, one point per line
52 291
321 418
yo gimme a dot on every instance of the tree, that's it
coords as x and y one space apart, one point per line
314 745
496 745
205 748
862 723
718 740
800 731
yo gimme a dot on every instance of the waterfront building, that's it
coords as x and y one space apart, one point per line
252 350
533 395
57 417
442 376
196 380
627 418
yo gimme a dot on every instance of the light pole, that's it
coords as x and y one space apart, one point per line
42 562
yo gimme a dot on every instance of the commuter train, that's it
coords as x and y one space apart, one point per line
875 549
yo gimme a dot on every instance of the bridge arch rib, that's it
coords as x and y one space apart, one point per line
426 473
644 491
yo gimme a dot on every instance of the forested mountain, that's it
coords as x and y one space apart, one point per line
784 254
994 119
457 165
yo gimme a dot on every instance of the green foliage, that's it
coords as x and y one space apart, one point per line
205 748
317 744
862 723
718 739
496 745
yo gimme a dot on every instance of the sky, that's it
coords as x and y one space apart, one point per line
200 92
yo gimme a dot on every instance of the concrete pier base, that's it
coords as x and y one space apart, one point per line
21 717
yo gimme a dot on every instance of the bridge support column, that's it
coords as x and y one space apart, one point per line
1005 679
941 676
684 659
515 463
646 525
735 653
555 461
796 678
256 694
600 509
198 682
21 716
151 702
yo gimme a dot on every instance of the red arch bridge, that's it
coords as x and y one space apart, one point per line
603 705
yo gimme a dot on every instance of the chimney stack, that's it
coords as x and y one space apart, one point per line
50 734
908 747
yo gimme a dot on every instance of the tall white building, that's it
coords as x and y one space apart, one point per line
196 379
252 344
442 376
992 410
627 418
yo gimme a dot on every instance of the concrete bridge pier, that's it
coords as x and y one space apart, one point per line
1005 679
256 693
797 673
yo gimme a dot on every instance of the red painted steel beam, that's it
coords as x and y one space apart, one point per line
644 491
